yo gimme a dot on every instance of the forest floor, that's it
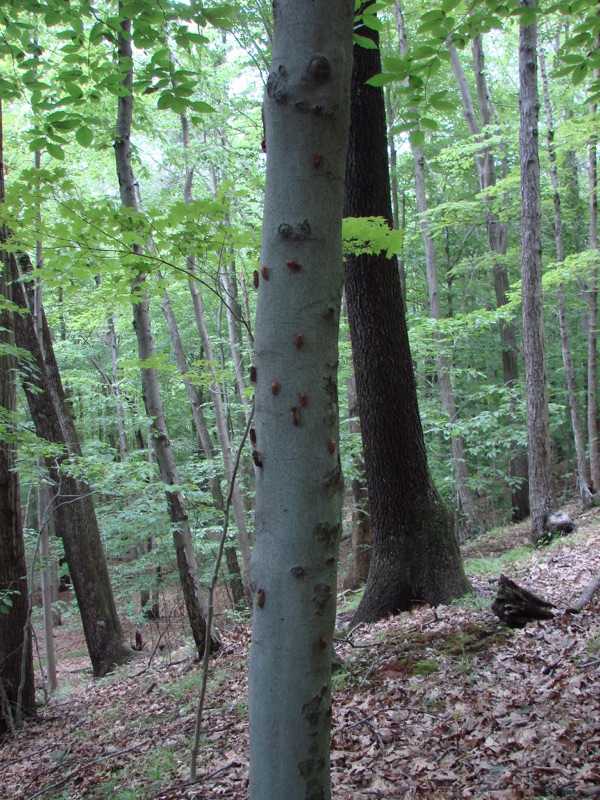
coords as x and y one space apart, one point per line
437 704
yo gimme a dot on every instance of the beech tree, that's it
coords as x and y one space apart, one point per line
297 460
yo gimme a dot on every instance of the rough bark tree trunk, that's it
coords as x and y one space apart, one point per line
538 425
195 601
415 552
298 473
17 689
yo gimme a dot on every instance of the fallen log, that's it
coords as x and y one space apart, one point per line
585 597
517 606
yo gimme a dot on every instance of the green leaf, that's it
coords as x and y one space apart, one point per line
579 74
38 144
201 107
442 105
165 101
382 79
374 23
416 138
220 16
429 124
195 38
364 41
74 90
67 124
84 136
55 151
526 17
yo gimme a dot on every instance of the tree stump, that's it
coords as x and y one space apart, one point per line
517 606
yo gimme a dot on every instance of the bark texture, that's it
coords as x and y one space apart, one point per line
415 551
17 690
538 425
298 474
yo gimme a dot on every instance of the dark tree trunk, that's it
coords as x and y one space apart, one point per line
15 641
415 552
74 509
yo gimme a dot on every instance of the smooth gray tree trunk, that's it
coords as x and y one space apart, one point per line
538 425
298 473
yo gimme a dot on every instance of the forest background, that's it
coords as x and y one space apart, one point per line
192 230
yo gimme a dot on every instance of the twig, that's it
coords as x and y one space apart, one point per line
156 646
585 597
355 724
211 593
16 759
176 787
366 721
82 764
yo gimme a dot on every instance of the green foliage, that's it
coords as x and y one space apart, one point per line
6 600
425 667
370 235
60 81
494 565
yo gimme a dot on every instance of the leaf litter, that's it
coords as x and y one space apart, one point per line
439 704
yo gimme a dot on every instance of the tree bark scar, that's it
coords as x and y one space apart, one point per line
277 85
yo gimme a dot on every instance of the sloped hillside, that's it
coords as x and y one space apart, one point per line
437 704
